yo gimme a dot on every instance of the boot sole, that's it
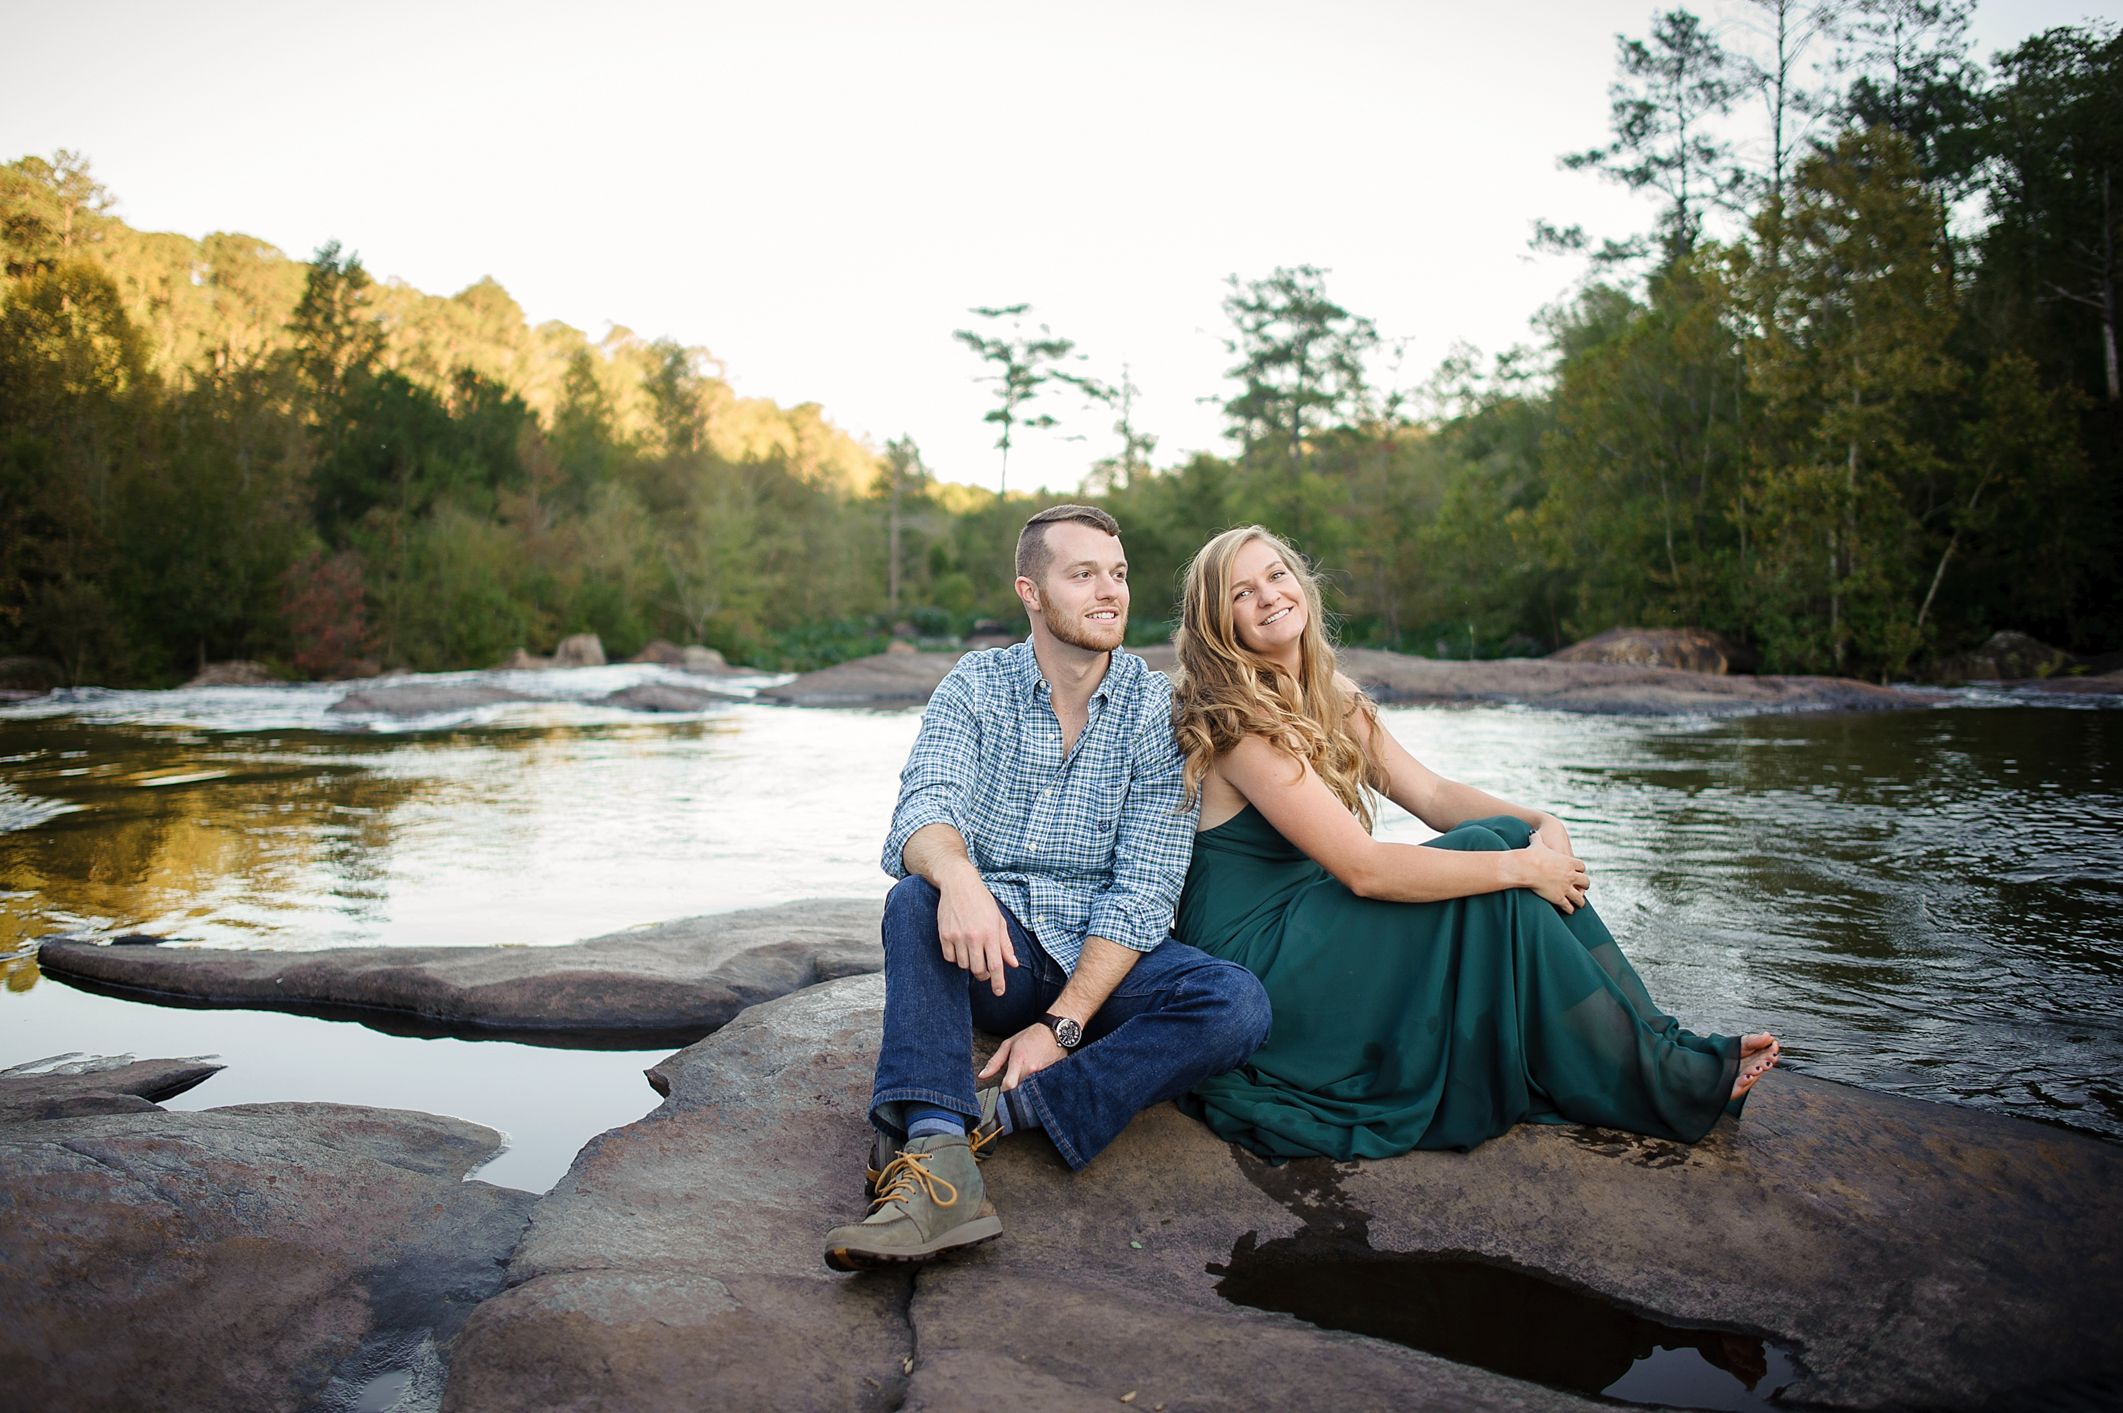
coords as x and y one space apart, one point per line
973 1233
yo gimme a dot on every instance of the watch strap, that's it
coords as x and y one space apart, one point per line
1055 1023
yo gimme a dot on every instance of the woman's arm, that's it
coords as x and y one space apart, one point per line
1298 803
1436 801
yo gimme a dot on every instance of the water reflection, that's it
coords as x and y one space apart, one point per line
1919 901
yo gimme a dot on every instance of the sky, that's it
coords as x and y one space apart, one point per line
818 193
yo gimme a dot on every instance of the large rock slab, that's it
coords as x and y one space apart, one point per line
1913 1254
887 679
669 697
260 1257
669 983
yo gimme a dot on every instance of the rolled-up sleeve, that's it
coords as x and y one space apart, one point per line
939 771
1153 845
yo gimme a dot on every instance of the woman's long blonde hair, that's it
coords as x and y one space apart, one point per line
1226 692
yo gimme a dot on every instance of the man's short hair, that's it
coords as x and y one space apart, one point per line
1034 556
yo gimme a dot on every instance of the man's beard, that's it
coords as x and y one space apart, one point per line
1079 633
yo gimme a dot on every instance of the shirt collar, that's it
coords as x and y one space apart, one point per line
1031 681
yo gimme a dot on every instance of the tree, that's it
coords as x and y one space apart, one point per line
1912 76
1671 90
2053 137
1301 361
1023 365
49 212
1789 28
1849 344
1136 446
903 473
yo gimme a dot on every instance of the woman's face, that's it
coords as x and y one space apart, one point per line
1267 602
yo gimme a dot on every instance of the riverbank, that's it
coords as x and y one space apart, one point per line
1835 1247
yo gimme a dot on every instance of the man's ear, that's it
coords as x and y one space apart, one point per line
1028 594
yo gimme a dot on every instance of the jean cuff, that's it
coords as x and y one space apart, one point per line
1060 1140
885 1110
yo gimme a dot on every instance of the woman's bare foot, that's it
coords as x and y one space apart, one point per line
1758 1055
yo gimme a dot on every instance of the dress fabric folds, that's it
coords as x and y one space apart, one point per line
1431 1025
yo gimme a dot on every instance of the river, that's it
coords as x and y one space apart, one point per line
1926 901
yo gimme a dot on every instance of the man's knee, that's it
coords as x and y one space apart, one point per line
1238 1011
910 907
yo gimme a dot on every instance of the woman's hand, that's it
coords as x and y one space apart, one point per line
1552 873
1550 831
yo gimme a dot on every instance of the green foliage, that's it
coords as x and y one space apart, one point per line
1843 434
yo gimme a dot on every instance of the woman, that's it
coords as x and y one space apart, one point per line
1424 997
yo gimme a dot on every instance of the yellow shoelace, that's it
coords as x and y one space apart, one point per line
906 1174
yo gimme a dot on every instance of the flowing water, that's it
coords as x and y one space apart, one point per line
1929 901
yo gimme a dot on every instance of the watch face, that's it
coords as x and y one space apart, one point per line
1068 1033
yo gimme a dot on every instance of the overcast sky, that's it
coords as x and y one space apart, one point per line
818 192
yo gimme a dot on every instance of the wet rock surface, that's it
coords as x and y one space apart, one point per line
68 1086
259 1257
1909 1254
669 983
886 679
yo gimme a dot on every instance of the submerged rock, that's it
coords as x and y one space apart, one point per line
668 696
259 1257
424 699
1688 649
1914 1254
674 980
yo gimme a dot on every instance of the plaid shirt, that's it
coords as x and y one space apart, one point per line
1092 844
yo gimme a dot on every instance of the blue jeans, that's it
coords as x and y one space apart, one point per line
1178 1017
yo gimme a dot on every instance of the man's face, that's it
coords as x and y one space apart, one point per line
1084 597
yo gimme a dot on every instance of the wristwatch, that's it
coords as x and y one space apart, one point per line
1067 1033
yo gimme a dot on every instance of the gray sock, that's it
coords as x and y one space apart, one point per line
1018 1112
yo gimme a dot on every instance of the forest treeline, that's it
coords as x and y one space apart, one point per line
1853 401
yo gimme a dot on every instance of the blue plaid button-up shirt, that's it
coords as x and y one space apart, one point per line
1095 843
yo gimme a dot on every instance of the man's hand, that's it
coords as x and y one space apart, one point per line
969 924
1025 1054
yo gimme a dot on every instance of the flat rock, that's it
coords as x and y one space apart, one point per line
424 699
1607 688
260 1257
1911 1254
668 697
69 1087
886 679
1603 688
671 982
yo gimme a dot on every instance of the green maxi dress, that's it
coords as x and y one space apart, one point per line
1431 1025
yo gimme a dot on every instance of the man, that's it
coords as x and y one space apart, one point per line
1041 843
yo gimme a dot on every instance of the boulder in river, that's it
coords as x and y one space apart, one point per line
692 657
1687 649
258 1257
2004 657
424 699
523 660
665 984
579 650
239 672
1892 1253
